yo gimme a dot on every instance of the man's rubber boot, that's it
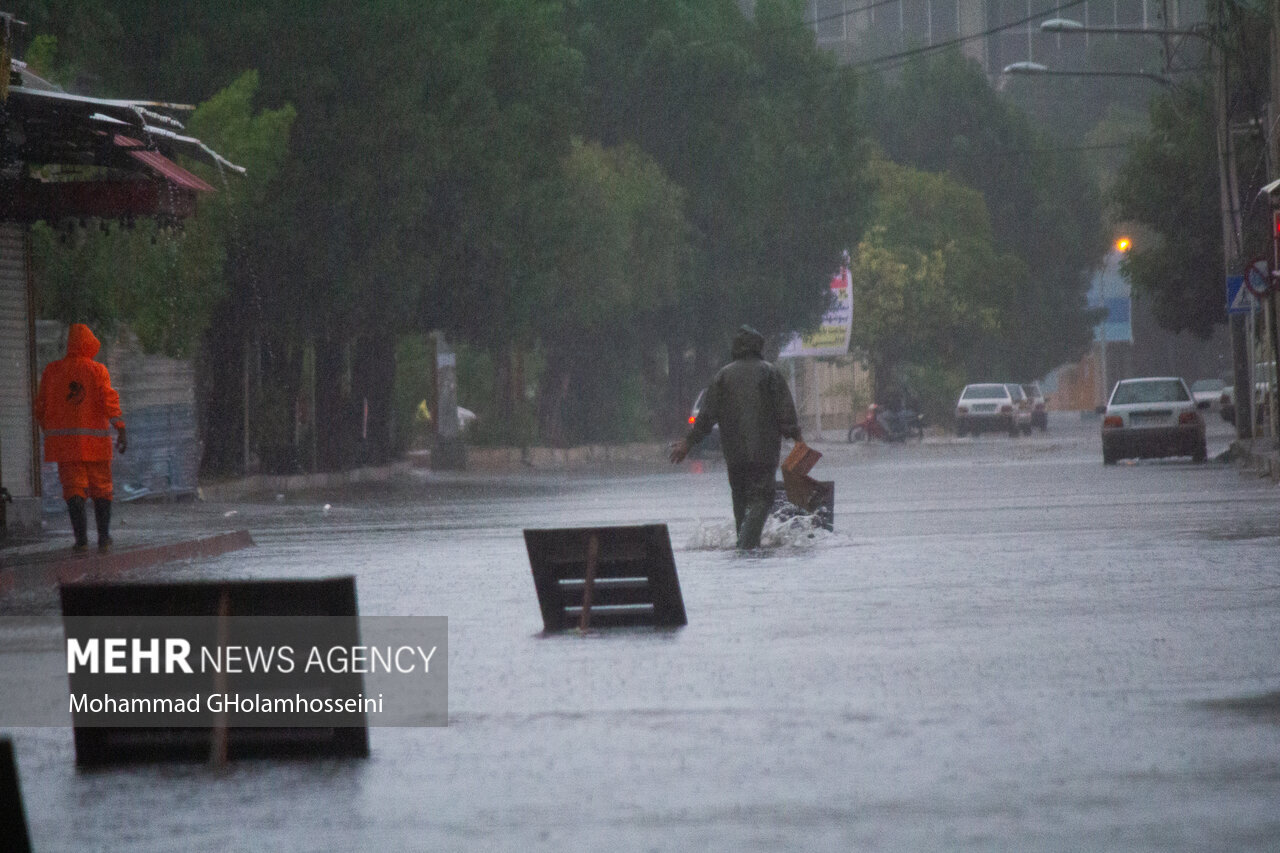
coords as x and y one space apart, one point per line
752 525
79 523
102 515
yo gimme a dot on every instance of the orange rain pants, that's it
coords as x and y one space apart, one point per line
85 480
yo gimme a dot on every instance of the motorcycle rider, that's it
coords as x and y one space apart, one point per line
901 413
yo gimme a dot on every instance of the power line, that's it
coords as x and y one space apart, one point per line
1066 149
907 54
846 13
811 24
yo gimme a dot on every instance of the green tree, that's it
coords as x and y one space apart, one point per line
943 116
1169 184
73 43
165 281
761 130
618 256
1184 253
929 286
431 153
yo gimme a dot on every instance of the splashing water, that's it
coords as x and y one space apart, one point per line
713 536
781 530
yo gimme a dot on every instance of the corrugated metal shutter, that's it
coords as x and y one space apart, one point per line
159 401
15 365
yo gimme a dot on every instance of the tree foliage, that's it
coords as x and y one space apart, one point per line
587 196
619 258
943 116
930 288
166 281
1170 183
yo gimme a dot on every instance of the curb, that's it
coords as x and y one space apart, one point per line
486 460
518 459
59 567
1257 456
237 489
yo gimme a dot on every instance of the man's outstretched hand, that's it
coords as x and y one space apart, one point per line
679 450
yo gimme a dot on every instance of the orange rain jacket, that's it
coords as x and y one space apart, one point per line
76 402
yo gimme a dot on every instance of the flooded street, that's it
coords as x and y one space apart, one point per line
1003 645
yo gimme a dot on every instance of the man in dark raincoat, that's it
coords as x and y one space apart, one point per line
750 400
75 406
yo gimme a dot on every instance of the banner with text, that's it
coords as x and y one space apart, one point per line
237 671
832 335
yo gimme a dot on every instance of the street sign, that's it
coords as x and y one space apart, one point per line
1239 299
1257 278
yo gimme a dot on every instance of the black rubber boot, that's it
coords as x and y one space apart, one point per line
102 516
79 522
752 525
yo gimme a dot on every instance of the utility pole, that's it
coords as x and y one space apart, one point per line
1273 144
1228 200
1213 34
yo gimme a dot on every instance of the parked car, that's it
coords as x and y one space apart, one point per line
1208 390
1152 417
1227 403
1021 408
1039 406
1263 386
988 406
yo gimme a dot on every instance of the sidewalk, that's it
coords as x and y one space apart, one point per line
480 461
1258 455
50 561
146 536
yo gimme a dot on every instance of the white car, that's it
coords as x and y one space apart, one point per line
1039 406
990 406
1207 390
1152 417
1022 408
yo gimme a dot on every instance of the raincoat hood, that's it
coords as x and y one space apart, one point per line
81 342
747 342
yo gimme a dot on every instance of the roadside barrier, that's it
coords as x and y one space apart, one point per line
220 615
591 577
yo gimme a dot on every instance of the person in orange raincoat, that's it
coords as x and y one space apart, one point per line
74 406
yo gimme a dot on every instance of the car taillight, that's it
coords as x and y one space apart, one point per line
1189 418
1006 409
962 410
1112 421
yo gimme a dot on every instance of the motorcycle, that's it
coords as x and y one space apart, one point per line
883 425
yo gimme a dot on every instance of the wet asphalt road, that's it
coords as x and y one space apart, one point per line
1003 646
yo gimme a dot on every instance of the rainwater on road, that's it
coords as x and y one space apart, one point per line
1004 645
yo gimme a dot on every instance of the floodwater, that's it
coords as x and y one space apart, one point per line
1003 646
